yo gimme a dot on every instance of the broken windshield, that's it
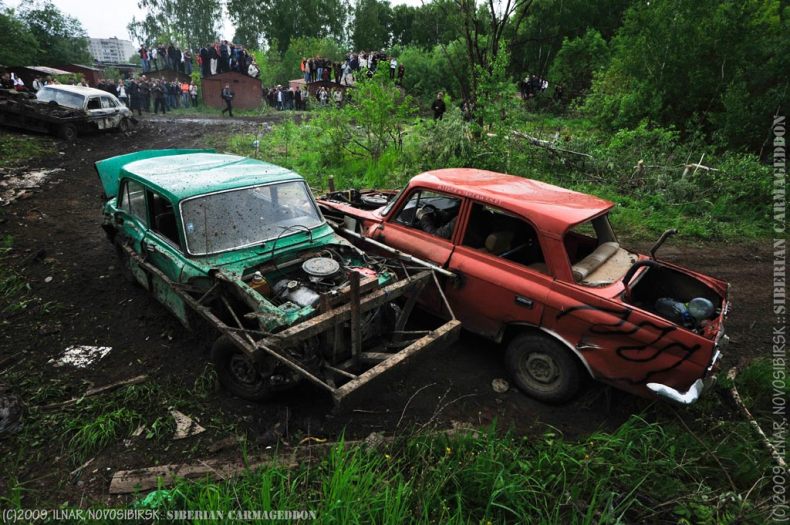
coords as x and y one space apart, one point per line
234 219
60 97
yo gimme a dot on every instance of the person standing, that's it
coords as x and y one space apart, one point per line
438 106
227 96
144 59
401 71
145 94
393 67
193 92
121 91
213 58
185 98
187 58
134 97
204 62
159 98
224 57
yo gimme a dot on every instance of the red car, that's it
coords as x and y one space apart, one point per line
538 268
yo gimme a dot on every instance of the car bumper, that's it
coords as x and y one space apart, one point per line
697 387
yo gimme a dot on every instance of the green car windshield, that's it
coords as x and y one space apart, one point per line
234 219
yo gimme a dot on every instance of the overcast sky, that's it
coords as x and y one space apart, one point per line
108 18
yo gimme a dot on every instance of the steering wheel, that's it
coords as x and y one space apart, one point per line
426 209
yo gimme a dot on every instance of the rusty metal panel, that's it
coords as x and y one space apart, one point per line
247 90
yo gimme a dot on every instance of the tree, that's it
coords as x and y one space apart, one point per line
61 38
578 60
18 46
279 68
189 23
549 22
483 30
278 21
370 29
712 66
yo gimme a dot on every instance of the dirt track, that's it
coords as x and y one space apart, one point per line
88 302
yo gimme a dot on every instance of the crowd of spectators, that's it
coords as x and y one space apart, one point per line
318 69
300 99
219 57
531 86
141 93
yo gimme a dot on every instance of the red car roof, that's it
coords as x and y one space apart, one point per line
551 208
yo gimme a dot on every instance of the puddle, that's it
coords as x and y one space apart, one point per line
81 356
14 186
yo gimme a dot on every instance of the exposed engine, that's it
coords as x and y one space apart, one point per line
300 283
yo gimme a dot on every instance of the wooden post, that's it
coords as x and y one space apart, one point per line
356 323
331 183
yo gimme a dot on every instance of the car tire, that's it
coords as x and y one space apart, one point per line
124 125
542 368
237 373
67 132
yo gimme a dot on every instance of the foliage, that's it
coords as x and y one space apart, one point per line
16 149
279 68
18 46
61 38
370 27
277 22
706 65
426 25
429 71
576 62
364 139
731 199
165 22
550 22
642 472
91 436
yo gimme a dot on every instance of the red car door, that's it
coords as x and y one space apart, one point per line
502 275
405 230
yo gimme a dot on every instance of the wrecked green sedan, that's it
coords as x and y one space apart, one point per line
237 248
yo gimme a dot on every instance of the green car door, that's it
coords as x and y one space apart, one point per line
161 248
131 223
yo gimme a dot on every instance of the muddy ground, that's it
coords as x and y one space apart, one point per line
81 298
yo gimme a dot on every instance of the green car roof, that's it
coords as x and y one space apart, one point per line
179 177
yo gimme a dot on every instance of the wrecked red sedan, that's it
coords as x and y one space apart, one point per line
539 269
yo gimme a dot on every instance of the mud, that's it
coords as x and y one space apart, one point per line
56 233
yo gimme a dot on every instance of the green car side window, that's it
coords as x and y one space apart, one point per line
132 200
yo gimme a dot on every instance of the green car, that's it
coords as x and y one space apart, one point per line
237 248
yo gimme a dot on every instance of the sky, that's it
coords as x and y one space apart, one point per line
108 18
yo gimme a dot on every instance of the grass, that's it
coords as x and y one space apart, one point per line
91 436
16 148
696 465
730 201
14 289
643 472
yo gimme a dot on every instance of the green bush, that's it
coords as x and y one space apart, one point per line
576 62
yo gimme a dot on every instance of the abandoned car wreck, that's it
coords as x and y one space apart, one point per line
66 111
237 249
539 268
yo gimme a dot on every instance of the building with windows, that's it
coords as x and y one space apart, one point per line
111 50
